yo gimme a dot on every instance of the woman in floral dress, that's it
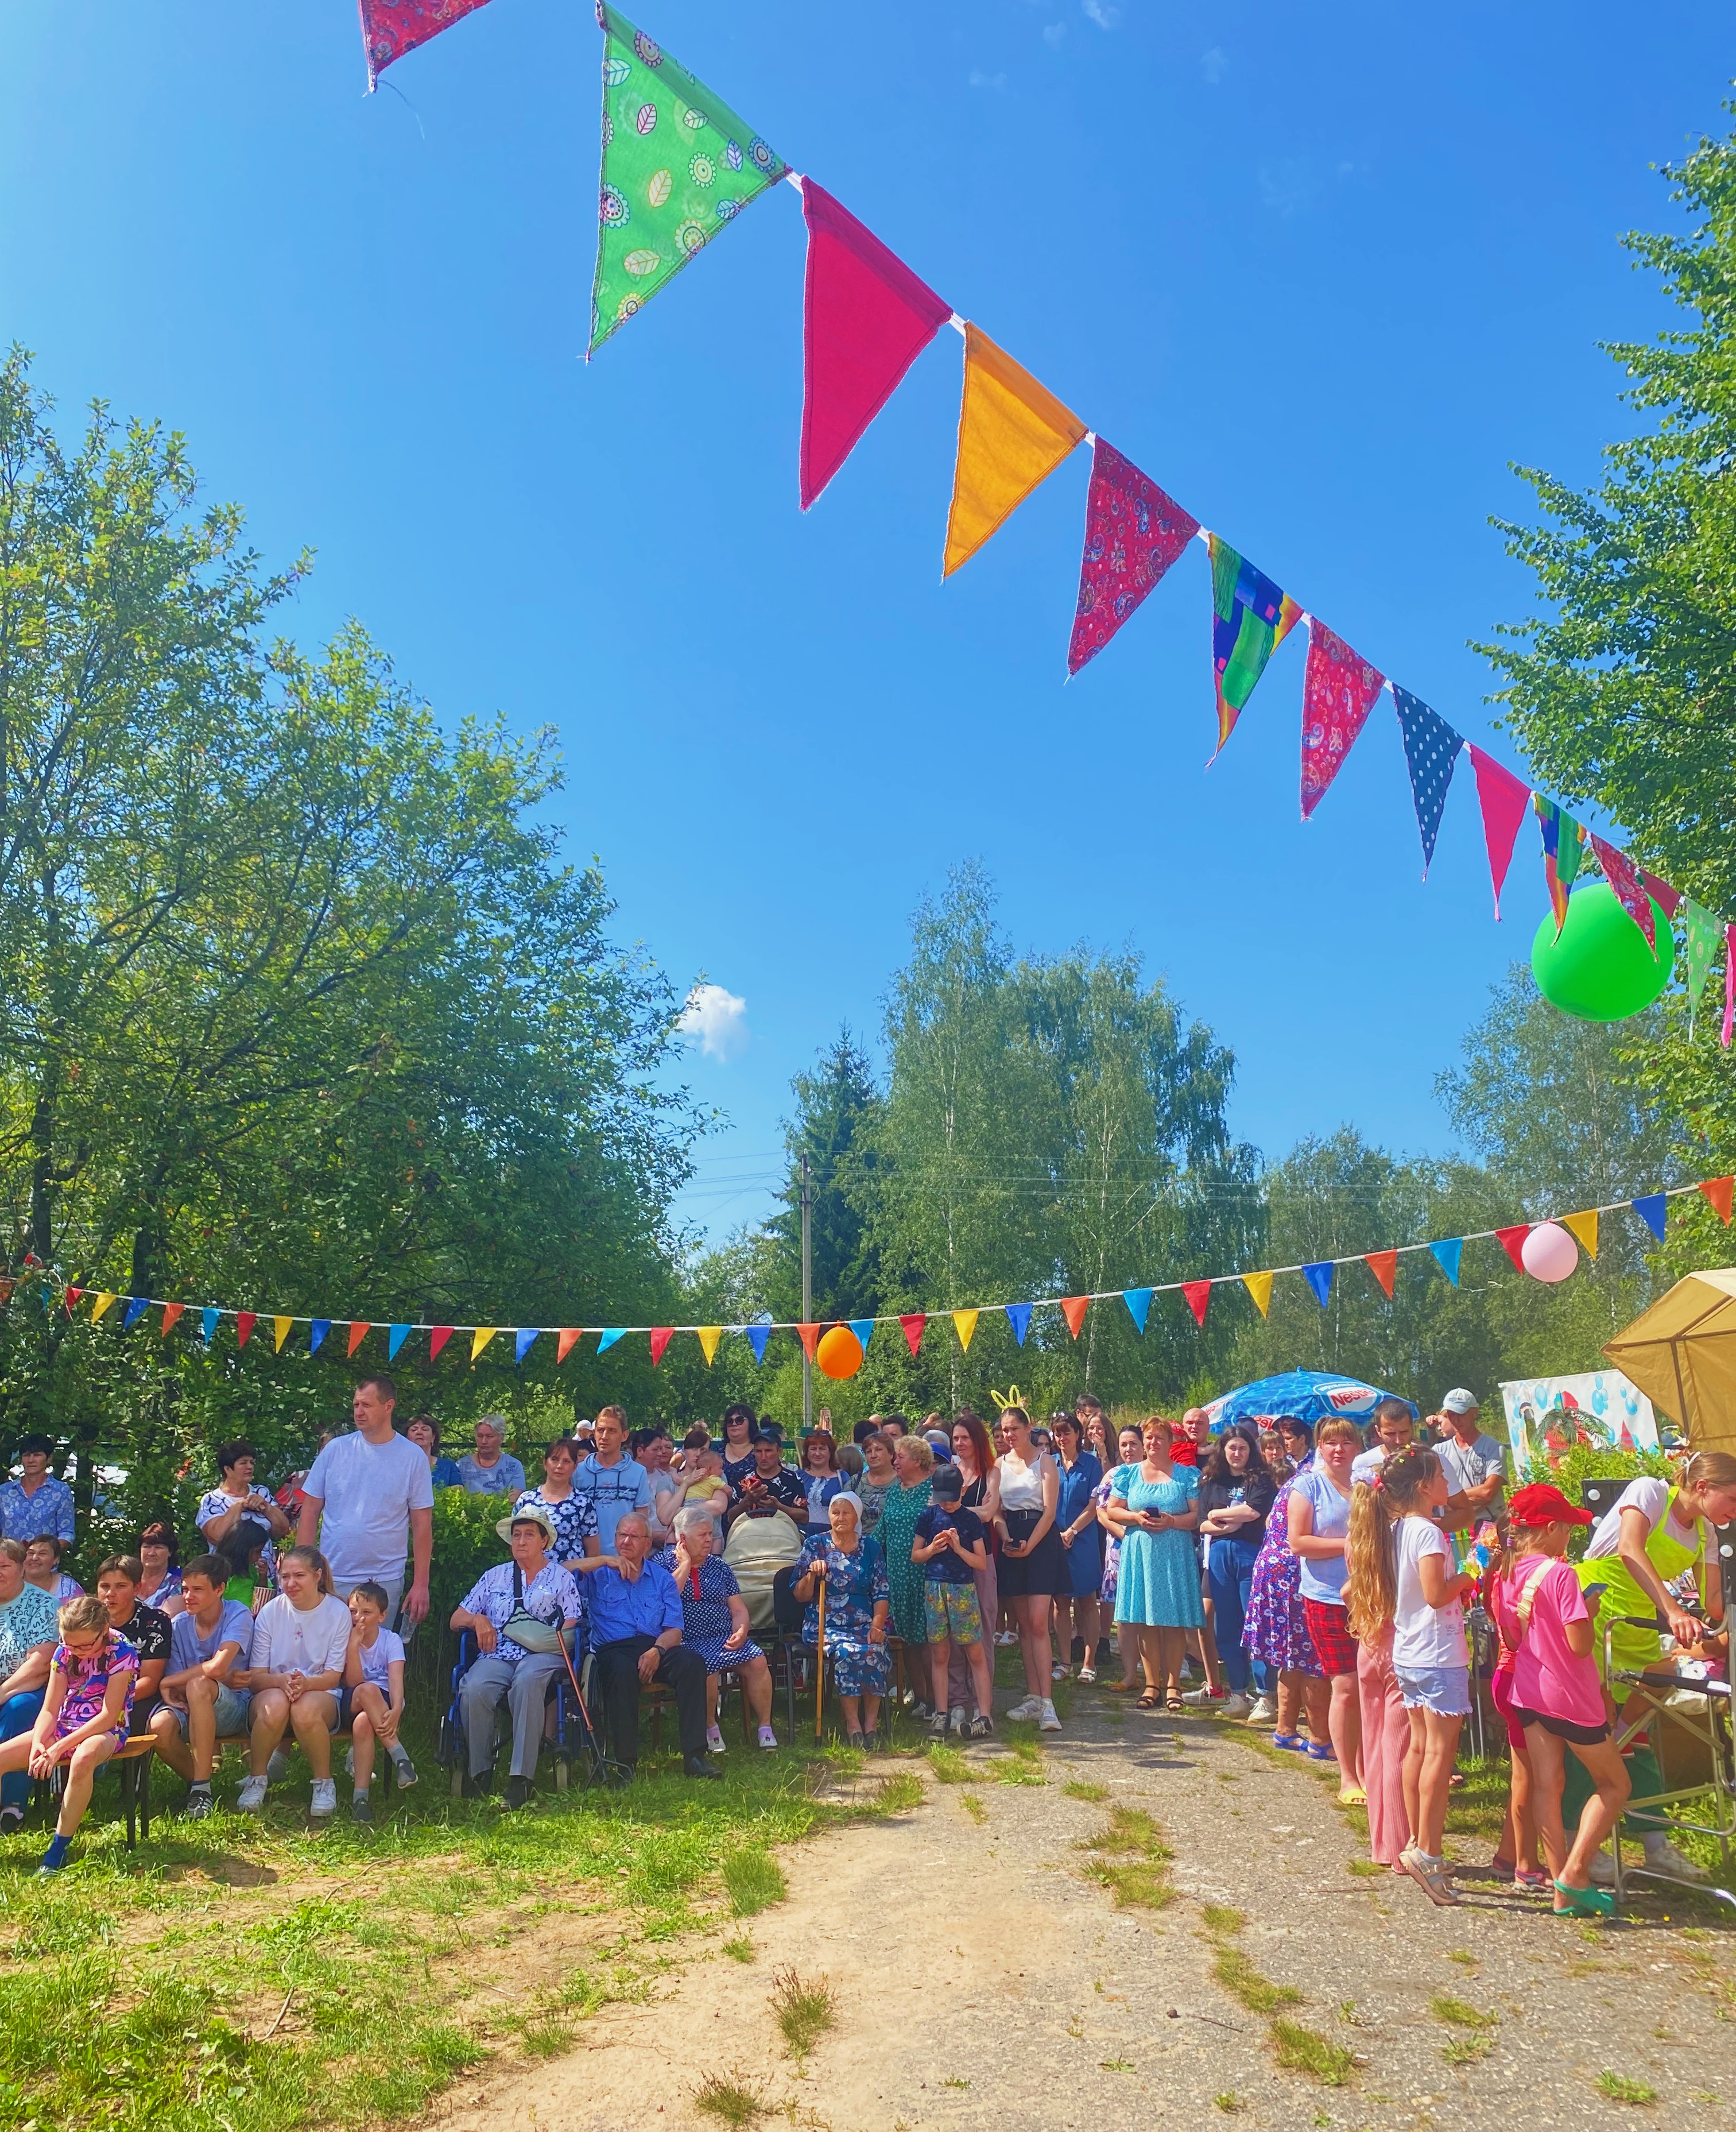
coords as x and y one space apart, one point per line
912 1463
858 1597
1275 1629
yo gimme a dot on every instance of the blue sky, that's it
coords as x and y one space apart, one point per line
1323 273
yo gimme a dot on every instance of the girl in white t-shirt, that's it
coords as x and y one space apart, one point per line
1401 1567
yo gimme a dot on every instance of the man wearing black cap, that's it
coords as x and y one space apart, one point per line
772 1486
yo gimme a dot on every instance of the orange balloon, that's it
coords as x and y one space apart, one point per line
839 1353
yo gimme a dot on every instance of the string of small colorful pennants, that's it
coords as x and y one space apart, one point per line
679 165
1652 1208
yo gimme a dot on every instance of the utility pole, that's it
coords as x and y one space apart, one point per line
807 1298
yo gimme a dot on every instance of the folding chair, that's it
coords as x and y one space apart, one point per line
1700 1709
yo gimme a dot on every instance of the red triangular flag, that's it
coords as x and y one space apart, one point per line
1505 803
913 1325
1512 1242
1717 1191
1132 533
360 1328
1198 1293
72 1297
437 1340
1073 1308
390 28
171 1311
1339 690
569 1340
661 1335
865 317
1623 875
809 1334
1668 899
1383 1264
244 1321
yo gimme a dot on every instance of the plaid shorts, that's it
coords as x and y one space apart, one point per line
953 1613
1329 1632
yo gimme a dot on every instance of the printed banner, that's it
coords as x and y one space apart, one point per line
1549 1417
677 167
1132 533
1563 842
1430 752
1339 690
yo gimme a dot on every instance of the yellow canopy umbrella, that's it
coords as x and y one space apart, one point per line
1681 1353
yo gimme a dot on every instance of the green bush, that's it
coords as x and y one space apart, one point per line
465 1544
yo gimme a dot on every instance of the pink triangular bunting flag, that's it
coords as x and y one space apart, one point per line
390 28
1132 533
1668 899
1623 875
865 317
1505 803
1339 688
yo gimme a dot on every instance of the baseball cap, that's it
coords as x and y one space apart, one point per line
1543 1504
1459 1401
947 1483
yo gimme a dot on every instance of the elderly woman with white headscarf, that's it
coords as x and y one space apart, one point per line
851 1570
714 1622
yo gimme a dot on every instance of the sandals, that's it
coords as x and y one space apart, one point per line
1318 1750
1292 1743
1175 1707
1430 1875
1584 1901
1352 1795
1527 1881
1150 1700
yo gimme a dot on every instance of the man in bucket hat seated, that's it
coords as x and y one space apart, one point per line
515 1612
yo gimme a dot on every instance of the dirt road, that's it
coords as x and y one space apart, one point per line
982 1979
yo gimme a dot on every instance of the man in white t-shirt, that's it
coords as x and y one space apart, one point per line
1475 1465
368 1502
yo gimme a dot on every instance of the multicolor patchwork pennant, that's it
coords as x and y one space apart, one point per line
1563 842
1250 618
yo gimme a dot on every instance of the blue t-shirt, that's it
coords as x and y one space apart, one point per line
188 1648
1323 1579
945 1567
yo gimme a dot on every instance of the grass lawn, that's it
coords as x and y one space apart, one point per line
246 1969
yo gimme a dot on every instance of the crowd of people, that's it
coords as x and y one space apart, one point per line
1316 1580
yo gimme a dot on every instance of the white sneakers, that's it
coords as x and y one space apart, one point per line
1663 1856
325 1798
957 1721
1202 1698
768 1738
252 1794
1264 1711
1032 1706
1234 1705
1046 1721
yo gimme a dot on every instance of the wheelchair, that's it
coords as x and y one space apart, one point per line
572 1739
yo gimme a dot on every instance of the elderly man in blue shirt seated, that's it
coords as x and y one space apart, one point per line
636 1640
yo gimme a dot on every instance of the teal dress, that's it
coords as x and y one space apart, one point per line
1158 1584
896 1532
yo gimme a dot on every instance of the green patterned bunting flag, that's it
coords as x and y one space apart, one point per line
677 166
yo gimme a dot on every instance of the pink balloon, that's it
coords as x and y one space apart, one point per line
1549 1253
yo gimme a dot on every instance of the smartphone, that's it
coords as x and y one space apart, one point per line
1595 1591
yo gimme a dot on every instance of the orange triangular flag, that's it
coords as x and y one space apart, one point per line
809 1335
437 1339
1383 1264
1717 1191
1073 1308
913 1323
568 1340
661 1335
1259 1285
280 1332
1584 1229
709 1336
964 1323
171 1311
1198 1293
360 1328
1013 433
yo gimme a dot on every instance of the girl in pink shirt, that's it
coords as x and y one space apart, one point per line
1557 1698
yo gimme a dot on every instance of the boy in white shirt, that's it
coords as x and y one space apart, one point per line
372 1701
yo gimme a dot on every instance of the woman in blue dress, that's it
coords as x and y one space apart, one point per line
1131 1448
1076 1520
1154 1506
714 1622
858 1598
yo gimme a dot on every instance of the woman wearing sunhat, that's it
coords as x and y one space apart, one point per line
534 1597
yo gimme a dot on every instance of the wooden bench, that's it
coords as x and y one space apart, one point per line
132 1765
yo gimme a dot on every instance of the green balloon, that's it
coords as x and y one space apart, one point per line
1601 969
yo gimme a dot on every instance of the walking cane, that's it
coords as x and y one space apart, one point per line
819 1663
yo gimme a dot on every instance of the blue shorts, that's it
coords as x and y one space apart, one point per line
234 1707
1445 1690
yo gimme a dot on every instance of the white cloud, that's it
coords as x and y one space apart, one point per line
1054 33
715 1020
1094 11
978 79
1214 65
